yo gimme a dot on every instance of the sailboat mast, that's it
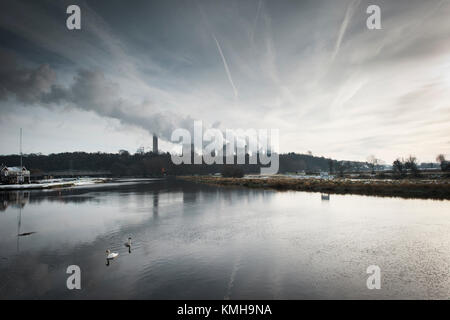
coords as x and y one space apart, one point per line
21 166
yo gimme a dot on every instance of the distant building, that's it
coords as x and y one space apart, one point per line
155 143
14 175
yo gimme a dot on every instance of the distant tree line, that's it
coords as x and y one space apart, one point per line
151 164
401 167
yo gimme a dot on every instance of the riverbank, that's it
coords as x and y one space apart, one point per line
406 188
52 184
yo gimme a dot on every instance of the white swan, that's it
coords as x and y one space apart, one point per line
111 255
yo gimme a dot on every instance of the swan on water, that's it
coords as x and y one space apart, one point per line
128 244
111 255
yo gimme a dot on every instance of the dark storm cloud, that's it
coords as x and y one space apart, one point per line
27 84
89 91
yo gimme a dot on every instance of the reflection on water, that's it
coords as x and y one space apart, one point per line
195 241
15 199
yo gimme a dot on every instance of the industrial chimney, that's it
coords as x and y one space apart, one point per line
155 144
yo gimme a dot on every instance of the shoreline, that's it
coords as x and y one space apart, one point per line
51 184
407 188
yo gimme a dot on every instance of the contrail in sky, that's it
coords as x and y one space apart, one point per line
258 9
226 66
348 15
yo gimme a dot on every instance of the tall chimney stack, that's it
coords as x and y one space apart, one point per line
155 143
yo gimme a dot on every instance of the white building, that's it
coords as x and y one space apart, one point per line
14 175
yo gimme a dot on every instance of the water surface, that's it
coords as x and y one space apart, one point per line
193 241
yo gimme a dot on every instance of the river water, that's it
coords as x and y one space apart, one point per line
191 241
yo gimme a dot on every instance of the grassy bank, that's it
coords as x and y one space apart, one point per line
424 189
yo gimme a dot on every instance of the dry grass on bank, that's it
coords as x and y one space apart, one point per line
425 189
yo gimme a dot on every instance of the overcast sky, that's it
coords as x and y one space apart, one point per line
311 69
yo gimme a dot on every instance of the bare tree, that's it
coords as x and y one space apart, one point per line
445 165
440 158
398 167
411 164
372 162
